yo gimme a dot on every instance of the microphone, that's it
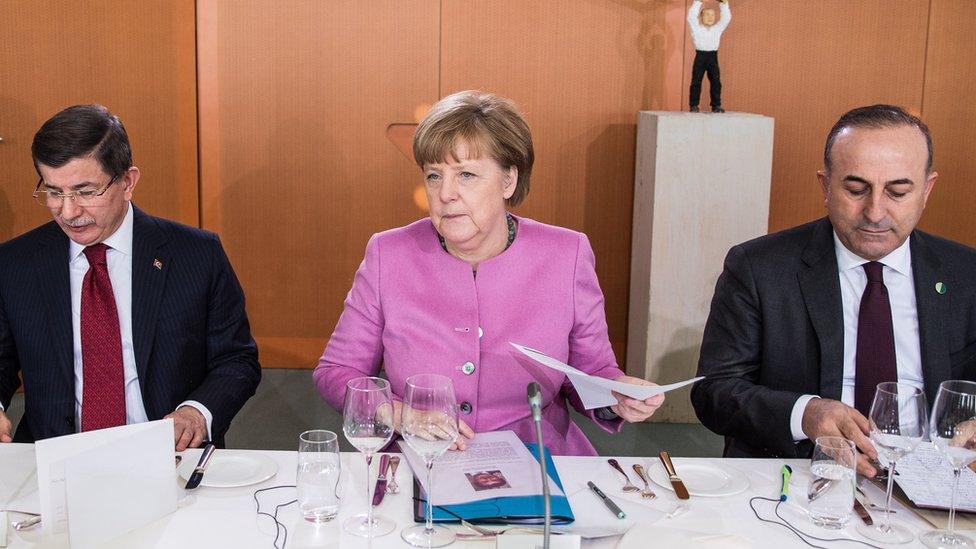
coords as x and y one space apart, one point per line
534 393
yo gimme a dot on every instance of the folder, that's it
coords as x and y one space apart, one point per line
502 510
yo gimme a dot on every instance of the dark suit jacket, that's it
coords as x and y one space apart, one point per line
190 332
776 331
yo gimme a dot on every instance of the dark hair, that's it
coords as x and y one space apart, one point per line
877 117
80 131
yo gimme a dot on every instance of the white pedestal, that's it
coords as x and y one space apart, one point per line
702 186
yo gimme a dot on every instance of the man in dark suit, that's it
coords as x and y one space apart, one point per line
113 316
806 322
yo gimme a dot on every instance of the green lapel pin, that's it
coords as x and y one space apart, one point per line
941 288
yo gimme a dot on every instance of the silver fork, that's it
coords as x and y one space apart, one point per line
489 534
646 493
628 487
393 487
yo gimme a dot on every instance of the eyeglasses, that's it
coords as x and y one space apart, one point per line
54 199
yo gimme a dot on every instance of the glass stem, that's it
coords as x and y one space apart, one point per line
369 499
952 506
429 528
891 487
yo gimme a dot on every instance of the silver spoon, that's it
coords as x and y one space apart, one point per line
628 487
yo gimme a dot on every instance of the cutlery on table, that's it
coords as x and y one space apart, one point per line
628 487
868 503
27 523
393 487
201 468
679 487
380 489
862 512
646 493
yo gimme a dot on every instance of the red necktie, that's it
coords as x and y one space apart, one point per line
874 361
103 394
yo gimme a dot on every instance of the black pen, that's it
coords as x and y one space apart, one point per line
606 501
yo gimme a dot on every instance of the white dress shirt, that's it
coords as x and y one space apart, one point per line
897 272
707 38
119 259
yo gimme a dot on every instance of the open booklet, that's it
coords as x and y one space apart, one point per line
926 478
495 478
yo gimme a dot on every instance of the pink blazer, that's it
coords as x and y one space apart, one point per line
414 308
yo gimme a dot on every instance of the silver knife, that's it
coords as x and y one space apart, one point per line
679 487
862 512
201 467
380 489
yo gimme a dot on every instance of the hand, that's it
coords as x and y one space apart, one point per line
826 417
631 409
966 437
6 428
464 431
189 427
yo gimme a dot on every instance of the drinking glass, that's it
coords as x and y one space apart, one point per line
365 422
429 425
954 432
319 471
898 426
831 492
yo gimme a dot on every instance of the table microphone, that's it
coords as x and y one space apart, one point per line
535 404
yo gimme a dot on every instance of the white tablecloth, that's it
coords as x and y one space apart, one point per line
226 517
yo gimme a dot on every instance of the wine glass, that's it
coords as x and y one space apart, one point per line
429 425
954 432
898 426
367 427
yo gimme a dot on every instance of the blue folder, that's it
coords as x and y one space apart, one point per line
508 510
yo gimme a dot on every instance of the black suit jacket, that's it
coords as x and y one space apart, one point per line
190 332
776 332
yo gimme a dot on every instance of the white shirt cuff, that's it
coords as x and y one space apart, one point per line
203 410
796 417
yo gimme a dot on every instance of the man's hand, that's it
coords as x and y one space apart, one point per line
189 427
966 438
824 417
464 431
6 428
633 410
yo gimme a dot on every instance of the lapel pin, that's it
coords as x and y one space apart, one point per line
941 288
159 265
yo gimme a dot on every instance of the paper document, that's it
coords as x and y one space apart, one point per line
926 478
494 465
594 391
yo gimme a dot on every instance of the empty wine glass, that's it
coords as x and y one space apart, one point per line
898 426
366 424
953 427
429 425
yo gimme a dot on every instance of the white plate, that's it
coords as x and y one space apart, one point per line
702 479
229 468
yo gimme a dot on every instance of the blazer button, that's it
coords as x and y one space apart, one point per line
465 407
467 368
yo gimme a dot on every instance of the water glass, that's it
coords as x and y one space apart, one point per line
833 472
319 471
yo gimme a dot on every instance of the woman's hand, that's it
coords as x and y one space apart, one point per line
633 410
465 432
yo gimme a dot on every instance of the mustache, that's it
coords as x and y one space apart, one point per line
77 223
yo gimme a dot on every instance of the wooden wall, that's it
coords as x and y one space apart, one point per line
136 58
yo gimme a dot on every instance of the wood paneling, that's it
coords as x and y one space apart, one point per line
805 65
136 58
297 171
950 111
579 71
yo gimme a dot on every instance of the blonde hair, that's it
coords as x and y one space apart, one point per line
486 124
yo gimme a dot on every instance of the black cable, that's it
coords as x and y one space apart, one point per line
279 526
800 534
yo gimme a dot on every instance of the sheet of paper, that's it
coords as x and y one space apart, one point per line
115 488
594 391
494 465
926 478
52 454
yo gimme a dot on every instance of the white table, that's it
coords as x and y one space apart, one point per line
226 517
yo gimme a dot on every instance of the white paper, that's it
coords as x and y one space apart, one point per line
926 478
53 454
595 391
494 465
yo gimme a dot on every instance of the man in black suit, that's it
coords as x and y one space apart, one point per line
113 316
806 322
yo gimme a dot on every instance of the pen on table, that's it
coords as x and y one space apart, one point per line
606 501
784 491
